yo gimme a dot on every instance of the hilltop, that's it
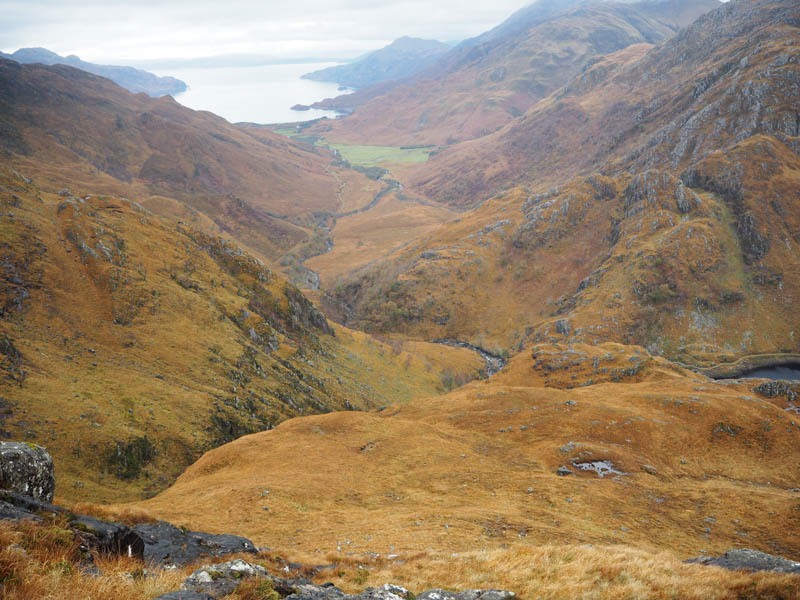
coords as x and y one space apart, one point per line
403 57
133 80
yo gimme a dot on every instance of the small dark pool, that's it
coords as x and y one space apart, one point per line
785 372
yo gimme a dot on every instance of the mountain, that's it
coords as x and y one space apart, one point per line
486 82
679 235
402 58
76 129
609 113
130 344
134 80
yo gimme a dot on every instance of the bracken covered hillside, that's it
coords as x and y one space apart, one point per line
732 74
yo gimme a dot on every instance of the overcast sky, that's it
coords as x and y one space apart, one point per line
106 31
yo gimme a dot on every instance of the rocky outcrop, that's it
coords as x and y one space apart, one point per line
166 544
217 581
27 469
100 536
159 543
749 560
773 389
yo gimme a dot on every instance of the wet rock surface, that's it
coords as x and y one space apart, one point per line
27 469
166 544
749 560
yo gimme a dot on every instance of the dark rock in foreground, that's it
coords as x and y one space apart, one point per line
27 469
166 544
101 536
749 560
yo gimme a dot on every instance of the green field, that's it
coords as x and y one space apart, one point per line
371 156
364 156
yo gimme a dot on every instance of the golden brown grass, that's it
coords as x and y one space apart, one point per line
567 572
365 237
42 562
179 353
475 469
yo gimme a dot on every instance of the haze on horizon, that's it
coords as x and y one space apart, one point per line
115 32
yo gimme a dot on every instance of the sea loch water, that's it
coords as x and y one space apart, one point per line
263 94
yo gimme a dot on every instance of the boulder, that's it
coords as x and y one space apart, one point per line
222 579
166 544
27 469
749 560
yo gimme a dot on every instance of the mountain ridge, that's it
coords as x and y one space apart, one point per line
132 79
486 82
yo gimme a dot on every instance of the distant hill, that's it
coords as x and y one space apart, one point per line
487 81
81 130
134 80
401 58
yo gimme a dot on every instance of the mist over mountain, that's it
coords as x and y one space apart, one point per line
403 57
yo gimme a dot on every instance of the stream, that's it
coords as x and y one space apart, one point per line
494 362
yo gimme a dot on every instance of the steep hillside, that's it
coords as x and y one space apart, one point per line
130 344
487 82
702 268
637 453
691 253
133 80
732 74
72 128
402 58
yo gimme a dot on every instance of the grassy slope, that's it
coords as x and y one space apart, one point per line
40 562
130 326
475 470
86 133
